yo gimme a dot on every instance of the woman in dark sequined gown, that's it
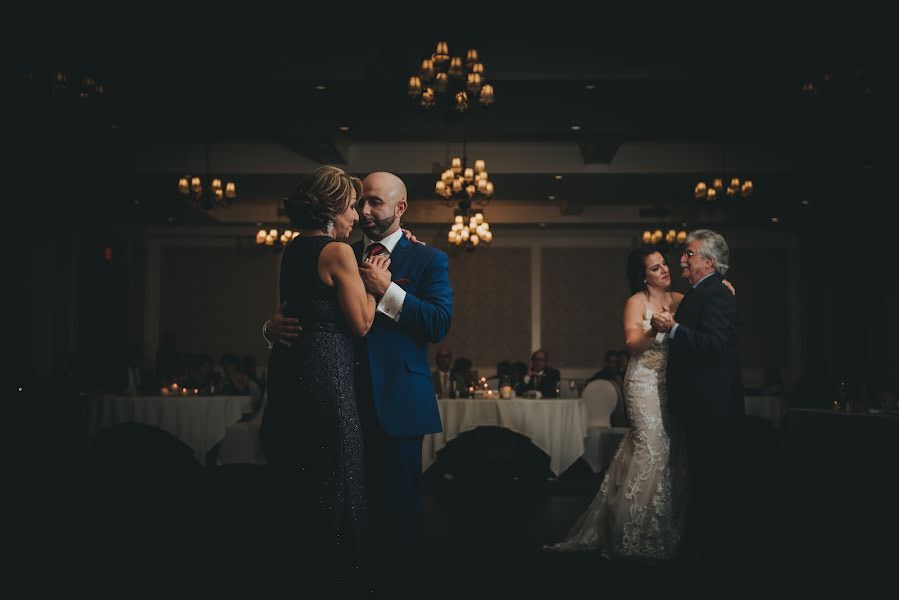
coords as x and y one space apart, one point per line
310 431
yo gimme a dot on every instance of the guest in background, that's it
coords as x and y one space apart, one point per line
461 375
611 369
230 369
517 371
540 377
200 374
503 372
441 375
614 368
248 366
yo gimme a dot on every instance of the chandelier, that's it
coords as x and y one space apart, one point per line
63 84
442 75
470 228
714 190
460 182
660 236
213 195
274 238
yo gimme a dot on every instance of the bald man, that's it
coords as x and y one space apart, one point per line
394 389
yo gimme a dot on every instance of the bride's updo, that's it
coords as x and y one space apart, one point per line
636 266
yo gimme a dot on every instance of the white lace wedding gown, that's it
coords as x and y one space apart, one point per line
639 510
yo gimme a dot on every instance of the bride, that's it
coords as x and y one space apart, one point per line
639 510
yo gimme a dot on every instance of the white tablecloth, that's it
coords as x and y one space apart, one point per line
766 407
198 421
556 426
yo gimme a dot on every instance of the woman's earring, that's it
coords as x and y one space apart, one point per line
329 228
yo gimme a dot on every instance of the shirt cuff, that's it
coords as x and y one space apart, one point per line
391 303
673 329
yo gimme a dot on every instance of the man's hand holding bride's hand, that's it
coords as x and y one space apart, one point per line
662 322
281 329
375 274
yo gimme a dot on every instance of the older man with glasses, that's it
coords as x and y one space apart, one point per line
705 389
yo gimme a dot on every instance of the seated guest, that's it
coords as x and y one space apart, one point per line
503 373
611 369
441 375
461 376
248 366
540 377
200 375
517 371
237 383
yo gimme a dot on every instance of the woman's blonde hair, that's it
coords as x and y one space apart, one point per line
321 198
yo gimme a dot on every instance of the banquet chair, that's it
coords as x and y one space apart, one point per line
241 444
600 397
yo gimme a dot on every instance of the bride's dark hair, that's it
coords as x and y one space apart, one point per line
636 266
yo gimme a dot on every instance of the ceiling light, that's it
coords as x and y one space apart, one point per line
715 188
442 76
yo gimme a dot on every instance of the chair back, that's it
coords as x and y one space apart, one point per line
600 397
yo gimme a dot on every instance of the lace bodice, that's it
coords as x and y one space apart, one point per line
654 358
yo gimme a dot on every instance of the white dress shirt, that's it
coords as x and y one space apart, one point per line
391 303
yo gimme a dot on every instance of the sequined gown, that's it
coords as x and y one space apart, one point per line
638 512
311 432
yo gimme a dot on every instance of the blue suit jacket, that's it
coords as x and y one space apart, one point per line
398 350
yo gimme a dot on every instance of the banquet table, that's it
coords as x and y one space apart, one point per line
556 426
765 407
198 421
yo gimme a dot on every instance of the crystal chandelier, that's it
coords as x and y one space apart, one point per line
442 75
213 195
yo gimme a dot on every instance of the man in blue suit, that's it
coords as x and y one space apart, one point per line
394 389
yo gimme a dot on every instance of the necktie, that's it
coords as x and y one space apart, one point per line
376 249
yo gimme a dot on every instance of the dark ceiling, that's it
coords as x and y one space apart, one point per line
651 85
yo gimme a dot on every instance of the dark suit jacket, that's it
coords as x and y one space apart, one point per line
548 384
704 378
401 381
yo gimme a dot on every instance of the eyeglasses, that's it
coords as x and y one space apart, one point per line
690 253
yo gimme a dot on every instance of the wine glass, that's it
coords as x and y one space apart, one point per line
572 387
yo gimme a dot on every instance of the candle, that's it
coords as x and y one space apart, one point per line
164 391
